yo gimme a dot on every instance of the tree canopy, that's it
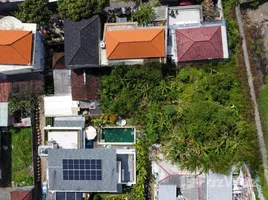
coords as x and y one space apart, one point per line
33 11
77 10
144 14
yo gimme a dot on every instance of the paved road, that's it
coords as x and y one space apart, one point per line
253 94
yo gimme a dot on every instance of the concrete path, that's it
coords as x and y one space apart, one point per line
253 94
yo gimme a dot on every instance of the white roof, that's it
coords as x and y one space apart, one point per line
167 192
219 187
65 139
184 15
4 114
60 106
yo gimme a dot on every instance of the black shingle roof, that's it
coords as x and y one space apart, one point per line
82 42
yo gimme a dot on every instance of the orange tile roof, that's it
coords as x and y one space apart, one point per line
138 43
15 47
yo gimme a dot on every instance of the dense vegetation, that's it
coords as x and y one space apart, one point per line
22 174
201 115
33 11
197 114
143 167
144 14
77 10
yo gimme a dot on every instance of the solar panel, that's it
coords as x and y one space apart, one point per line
70 195
82 169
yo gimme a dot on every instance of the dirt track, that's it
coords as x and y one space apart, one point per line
259 18
253 95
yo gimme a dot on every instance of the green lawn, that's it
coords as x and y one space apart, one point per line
21 156
263 108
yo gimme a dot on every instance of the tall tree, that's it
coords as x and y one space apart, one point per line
33 11
144 14
76 10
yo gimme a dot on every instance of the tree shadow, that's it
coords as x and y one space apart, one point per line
5 162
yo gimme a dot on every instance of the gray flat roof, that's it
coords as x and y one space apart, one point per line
167 192
62 81
109 174
77 121
219 186
4 114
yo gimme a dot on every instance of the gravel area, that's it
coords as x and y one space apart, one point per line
259 18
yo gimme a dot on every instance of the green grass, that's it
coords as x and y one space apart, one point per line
263 109
21 156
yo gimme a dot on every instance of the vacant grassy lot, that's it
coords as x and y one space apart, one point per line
21 156
263 107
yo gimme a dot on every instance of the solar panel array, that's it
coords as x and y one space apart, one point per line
82 169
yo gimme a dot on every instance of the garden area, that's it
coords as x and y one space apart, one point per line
21 156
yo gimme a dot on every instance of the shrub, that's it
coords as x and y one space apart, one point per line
77 10
33 11
144 14
97 197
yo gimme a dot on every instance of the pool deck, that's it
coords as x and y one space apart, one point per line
96 145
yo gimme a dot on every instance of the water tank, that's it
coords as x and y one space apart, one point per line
102 44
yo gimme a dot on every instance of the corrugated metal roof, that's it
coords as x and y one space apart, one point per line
4 114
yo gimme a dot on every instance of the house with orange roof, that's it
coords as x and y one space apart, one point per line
130 45
21 47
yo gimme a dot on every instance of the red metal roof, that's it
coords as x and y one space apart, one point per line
21 195
5 89
199 43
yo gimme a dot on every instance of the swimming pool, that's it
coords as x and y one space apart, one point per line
118 135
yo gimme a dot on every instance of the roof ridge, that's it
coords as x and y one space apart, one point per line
214 32
212 37
93 20
114 47
17 41
155 37
20 38
189 47
214 47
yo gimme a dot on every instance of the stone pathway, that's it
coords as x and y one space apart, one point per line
253 96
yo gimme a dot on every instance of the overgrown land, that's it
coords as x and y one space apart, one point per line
22 172
200 114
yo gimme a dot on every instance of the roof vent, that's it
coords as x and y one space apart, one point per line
102 44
